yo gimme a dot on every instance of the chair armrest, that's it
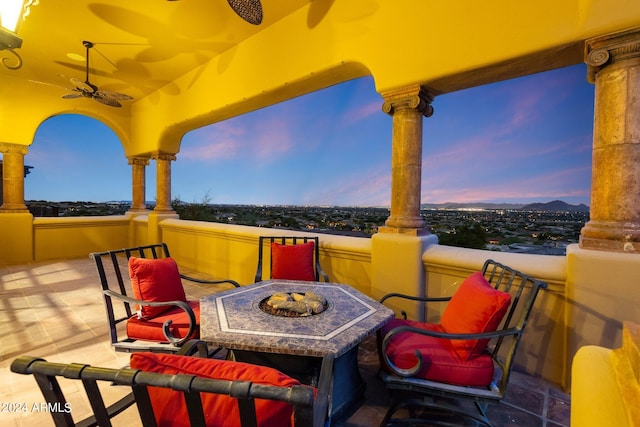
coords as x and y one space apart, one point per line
412 298
209 282
410 372
165 326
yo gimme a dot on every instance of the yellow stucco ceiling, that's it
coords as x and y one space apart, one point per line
189 63
140 46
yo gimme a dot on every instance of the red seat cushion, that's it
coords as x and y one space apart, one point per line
292 262
476 307
151 329
219 410
155 280
441 362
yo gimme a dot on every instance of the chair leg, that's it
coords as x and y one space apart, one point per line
482 408
427 412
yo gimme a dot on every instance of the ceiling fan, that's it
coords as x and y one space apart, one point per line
249 10
86 89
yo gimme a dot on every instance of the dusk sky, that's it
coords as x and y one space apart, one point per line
520 141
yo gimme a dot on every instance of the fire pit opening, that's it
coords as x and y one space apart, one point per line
293 304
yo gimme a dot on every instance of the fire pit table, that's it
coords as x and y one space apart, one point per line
318 349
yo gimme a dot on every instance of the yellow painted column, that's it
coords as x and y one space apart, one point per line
163 182
163 209
614 66
13 177
16 222
407 106
138 184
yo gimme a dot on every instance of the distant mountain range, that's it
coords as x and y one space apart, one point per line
554 206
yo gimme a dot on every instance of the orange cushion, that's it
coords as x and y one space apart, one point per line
292 262
151 329
155 280
219 410
476 307
440 361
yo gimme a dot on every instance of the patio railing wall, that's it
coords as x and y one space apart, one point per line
230 251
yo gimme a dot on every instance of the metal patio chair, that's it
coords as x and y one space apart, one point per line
290 257
430 369
175 320
171 389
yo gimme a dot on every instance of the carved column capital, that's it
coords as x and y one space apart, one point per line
159 155
6 147
413 97
138 161
600 52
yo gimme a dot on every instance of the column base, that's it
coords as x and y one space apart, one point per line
411 225
138 211
409 231
5 210
611 236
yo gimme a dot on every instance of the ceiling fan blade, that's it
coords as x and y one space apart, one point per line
113 95
72 95
82 86
107 101
249 10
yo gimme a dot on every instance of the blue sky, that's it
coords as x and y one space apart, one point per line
520 141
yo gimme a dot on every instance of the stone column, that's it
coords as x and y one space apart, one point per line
614 66
163 182
407 106
138 184
13 178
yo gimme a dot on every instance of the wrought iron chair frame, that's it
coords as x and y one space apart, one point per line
319 273
46 373
524 290
115 260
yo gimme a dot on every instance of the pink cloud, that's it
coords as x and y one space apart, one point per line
370 187
212 150
269 139
260 140
361 112
555 185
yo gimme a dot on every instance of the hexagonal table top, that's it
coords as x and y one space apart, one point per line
233 319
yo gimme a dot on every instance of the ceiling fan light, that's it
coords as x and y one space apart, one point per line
8 40
249 10
10 11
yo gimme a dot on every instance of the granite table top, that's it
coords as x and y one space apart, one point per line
233 319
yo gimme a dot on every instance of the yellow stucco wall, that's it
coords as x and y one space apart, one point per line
602 291
16 238
231 251
606 383
75 237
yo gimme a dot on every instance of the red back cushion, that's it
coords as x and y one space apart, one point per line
219 410
476 307
292 262
155 280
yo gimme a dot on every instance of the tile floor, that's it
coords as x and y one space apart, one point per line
53 310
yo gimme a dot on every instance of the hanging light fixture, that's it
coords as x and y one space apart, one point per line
249 10
12 12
